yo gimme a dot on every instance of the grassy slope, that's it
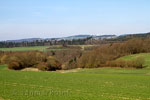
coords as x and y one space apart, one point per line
86 84
146 57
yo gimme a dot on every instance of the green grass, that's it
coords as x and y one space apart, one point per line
86 84
146 57
32 48
40 48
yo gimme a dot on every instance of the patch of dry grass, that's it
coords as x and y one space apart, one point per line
30 69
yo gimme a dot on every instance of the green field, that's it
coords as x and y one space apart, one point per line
85 84
33 48
39 48
145 56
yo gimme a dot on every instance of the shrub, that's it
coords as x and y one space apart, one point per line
42 66
139 62
70 64
94 59
65 55
15 66
52 64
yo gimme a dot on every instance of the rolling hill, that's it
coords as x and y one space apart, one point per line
146 57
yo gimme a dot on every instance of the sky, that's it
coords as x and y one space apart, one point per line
59 18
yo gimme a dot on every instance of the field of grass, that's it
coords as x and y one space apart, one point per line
85 84
40 48
145 56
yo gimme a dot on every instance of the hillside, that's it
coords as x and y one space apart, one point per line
145 56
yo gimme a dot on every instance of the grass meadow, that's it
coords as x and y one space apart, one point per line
85 84
32 48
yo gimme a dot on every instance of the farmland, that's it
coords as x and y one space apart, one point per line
85 84
39 48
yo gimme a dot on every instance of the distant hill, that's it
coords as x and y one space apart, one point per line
126 37
123 37
136 35
64 38
76 37
105 37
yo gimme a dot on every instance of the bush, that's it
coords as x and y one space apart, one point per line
43 66
94 59
15 66
139 62
51 65
65 55
70 64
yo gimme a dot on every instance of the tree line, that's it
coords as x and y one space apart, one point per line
6 44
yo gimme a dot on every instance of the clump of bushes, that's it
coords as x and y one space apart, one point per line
40 60
22 60
33 59
71 64
96 58
68 58
15 66
65 55
51 64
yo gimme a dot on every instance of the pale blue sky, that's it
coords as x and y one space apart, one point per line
59 18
